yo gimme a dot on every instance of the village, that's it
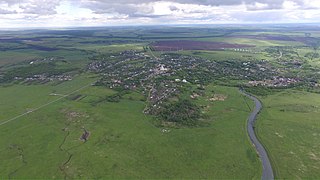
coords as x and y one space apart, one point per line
45 78
275 82
163 77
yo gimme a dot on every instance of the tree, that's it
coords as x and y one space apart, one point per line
183 112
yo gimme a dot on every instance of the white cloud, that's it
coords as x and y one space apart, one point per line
257 6
42 13
289 5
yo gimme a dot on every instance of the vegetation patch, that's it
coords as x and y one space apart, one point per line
261 91
182 112
75 97
301 108
114 98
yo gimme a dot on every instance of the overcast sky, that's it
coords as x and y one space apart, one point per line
66 13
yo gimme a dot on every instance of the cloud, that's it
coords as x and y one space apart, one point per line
173 8
130 12
271 4
6 11
43 7
144 7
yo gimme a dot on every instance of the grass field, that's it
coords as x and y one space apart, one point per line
289 127
112 48
256 42
18 99
11 57
123 142
227 55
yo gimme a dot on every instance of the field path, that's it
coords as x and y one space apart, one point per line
267 172
44 105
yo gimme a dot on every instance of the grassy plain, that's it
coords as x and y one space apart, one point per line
289 128
124 143
19 99
228 55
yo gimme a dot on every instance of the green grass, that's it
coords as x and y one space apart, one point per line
18 99
112 48
77 58
255 42
124 143
11 57
289 127
226 55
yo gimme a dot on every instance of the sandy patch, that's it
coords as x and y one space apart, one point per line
218 97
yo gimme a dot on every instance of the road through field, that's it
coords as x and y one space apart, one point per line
267 172
44 105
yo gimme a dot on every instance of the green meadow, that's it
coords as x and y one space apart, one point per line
289 127
123 142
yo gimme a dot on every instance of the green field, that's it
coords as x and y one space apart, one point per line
123 143
289 128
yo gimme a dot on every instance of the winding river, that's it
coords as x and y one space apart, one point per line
267 172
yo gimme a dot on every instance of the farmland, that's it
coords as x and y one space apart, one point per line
157 102
194 45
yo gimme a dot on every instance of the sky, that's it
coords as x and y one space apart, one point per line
70 13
